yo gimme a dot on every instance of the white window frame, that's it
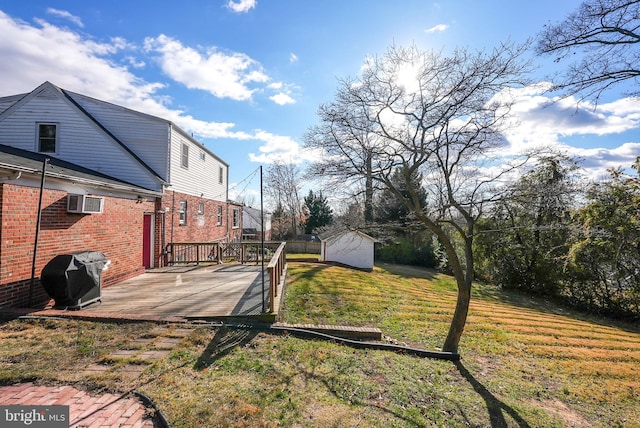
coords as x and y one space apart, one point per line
184 156
236 218
200 208
219 215
183 212
221 175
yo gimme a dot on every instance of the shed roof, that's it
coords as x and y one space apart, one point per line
345 232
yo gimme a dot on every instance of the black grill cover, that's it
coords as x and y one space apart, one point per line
69 277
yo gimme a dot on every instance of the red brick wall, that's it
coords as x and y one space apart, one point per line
198 228
117 233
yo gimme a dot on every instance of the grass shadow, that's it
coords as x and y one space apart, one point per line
311 373
496 408
223 342
408 271
548 305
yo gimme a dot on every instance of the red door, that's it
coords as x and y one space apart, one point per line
146 241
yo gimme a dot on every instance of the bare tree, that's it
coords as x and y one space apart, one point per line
423 113
607 34
283 184
349 187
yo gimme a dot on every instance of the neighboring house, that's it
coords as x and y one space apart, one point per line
146 182
252 225
352 248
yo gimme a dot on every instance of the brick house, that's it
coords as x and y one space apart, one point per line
136 182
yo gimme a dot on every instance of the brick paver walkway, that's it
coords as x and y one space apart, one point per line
88 410
85 410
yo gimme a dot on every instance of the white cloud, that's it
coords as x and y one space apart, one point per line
284 93
436 28
134 62
542 121
278 148
282 99
293 58
33 55
66 15
224 75
242 5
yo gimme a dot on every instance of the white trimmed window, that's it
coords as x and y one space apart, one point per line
183 212
184 156
200 208
236 218
219 215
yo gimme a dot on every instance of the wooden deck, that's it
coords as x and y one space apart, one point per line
187 293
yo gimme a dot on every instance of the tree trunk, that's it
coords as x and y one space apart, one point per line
458 321
464 281
368 193
463 277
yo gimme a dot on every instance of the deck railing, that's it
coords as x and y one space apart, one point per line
207 252
204 252
276 269
193 252
252 251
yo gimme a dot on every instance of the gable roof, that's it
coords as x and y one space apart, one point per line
79 97
338 235
66 97
30 162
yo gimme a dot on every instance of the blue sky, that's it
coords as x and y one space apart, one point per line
246 77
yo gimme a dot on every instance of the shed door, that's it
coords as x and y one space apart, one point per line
146 241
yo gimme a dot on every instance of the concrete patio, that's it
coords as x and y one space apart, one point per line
184 293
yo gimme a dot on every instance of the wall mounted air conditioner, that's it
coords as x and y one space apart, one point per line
85 204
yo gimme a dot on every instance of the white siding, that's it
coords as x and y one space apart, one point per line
79 140
146 136
350 248
202 175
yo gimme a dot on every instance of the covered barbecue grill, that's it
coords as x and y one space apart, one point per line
74 280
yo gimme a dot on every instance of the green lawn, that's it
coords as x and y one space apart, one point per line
525 362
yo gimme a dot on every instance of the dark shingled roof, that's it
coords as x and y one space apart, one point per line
31 162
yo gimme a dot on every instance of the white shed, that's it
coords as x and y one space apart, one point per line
351 248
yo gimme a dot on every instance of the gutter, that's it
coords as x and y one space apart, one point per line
85 181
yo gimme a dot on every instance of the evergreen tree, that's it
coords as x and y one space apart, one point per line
390 209
319 211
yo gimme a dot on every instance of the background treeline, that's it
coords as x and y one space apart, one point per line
551 233
554 234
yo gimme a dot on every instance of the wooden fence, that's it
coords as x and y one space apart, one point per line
304 247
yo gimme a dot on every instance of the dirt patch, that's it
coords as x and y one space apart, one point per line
486 366
327 415
570 417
